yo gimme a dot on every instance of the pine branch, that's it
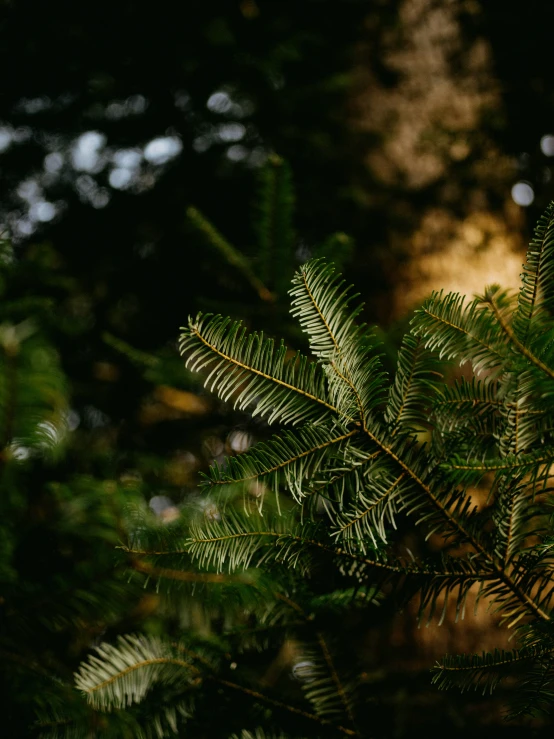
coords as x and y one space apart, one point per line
369 517
519 464
248 368
463 331
449 509
467 419
286 707
292 457
536 296
322 306
190 577
339 687
517 519
535 694
484 671
274 223
33 393
346 481
491 300
231 254
415 384
234 539
122 675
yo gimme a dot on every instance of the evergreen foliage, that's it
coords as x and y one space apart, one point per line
73 459
357 459
267 264
61 583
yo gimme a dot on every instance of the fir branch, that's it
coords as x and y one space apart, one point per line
415 384
489 299
322 306
345 480
188 576
230 253
296 456
336 679
520 462
249 367
336 327
536 298
486 670
286 706
364 519
441 506
276 240
535 694
459 330
123 674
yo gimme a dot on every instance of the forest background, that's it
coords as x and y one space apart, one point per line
420 133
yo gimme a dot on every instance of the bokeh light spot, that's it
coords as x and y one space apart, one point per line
547 145
219 102
523 194
86 152
162 149
120 178
6 138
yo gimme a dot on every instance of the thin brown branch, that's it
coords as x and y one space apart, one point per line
186 575
285 706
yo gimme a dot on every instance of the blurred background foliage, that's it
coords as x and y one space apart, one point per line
144 152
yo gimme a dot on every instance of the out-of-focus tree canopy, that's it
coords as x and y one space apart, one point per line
395 117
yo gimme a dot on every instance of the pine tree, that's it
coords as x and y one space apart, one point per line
356 456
